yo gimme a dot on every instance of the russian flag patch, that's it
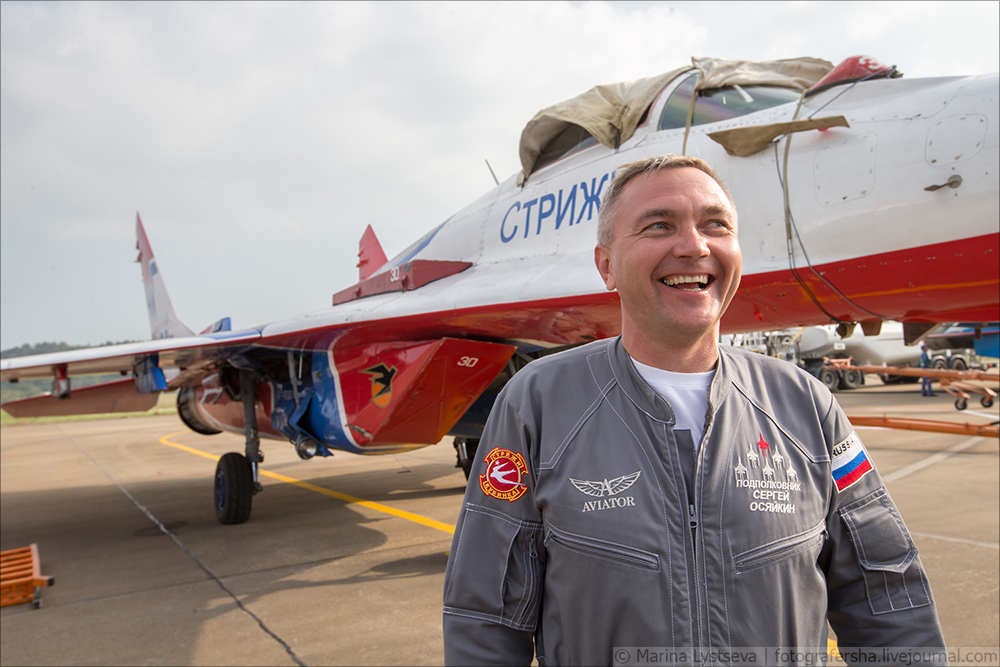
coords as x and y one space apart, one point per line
850 462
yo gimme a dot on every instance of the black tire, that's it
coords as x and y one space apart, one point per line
961 403
830 378
986 401
940 363
233 489
958 364
851 380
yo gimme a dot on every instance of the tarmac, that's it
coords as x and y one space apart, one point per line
342 561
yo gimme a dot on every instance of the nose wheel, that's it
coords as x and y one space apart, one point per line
236 475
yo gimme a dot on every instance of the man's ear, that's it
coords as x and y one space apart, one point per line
602 258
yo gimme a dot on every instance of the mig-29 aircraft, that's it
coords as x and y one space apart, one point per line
863 196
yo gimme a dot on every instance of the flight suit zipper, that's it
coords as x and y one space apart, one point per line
694 590
693 519
699 594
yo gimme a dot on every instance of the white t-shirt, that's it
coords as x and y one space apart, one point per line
687 394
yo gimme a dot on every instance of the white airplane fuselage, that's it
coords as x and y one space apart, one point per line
862 224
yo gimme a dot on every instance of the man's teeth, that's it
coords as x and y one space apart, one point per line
690 283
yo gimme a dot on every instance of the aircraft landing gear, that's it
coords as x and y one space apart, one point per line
237 477
465 450
233 489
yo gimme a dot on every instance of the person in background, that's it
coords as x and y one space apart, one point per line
925 382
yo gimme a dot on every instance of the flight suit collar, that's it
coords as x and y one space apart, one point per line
646 398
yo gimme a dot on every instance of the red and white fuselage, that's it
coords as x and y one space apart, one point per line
891 217
865 238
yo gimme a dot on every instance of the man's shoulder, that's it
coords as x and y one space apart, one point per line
572 356
751 366
750 357
560 368
788 393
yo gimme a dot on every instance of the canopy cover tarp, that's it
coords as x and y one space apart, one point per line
611 112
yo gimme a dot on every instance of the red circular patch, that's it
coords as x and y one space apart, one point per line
505 475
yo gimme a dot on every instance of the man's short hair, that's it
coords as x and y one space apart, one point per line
625 173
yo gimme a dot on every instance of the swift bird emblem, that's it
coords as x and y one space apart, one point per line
504 473
381 379
500 474
610 488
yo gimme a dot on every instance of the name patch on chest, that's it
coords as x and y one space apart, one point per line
768 477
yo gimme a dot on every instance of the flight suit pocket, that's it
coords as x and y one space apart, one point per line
779 550
477 588
886 554
618 554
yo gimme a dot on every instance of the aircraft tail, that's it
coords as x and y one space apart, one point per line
371 257
162 319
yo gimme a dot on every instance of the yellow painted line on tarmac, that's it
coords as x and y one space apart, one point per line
378 507
191 450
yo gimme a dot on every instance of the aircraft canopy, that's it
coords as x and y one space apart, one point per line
611 112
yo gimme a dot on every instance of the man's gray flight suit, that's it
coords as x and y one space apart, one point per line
598 543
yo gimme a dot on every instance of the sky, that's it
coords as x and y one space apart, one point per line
259 140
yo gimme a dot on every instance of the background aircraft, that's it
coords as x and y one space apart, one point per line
862 197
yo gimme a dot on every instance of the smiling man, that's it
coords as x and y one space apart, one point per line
668 244
672 496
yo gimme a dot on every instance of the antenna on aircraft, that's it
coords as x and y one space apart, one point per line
491 172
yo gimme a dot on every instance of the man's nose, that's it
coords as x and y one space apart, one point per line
690 242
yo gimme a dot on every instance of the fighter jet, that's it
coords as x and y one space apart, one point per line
863 196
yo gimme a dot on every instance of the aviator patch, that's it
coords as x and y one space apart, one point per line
505 471
850 462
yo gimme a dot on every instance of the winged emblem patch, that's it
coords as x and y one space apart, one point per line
607 487
505 475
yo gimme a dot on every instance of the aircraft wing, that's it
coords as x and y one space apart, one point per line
186 354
